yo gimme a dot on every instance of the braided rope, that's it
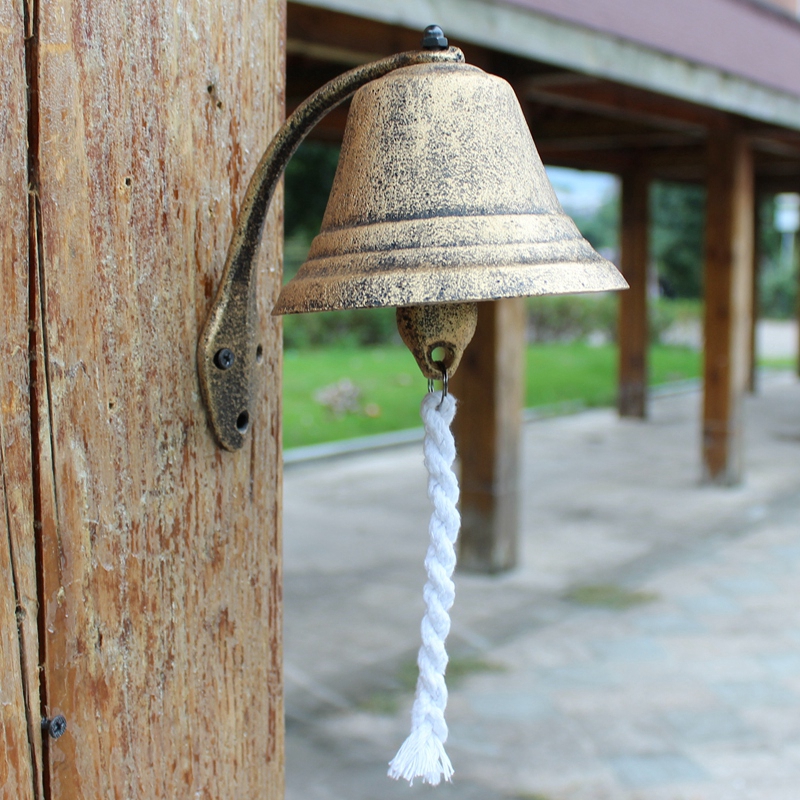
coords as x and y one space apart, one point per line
422 754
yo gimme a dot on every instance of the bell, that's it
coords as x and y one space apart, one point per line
441 197
440 200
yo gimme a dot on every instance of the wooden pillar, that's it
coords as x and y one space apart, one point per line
20 714
728 303
752 367
488 427
633 333
140 576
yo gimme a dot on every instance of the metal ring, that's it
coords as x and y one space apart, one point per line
445 382
431 387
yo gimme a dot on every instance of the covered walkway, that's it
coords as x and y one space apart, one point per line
683 682
697 92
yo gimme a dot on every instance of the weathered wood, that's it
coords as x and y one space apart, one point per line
489 388
584 92
633 320
161 580
728 305
20 730
347 39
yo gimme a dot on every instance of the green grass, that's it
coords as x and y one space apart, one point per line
387 701
558 373
610 596
390 386
778 363
534 796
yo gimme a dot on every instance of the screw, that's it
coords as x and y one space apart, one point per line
433 38
224 358
56 727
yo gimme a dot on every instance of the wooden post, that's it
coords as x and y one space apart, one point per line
728 303
140 561
488 427
633 321
20 715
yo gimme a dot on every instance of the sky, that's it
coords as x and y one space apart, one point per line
580 191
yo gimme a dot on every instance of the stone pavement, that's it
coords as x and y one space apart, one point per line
647 647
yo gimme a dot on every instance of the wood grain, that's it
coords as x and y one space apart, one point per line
728 304
633 328
20 735
160 553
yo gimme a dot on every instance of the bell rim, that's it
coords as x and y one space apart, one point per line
432 285
446 231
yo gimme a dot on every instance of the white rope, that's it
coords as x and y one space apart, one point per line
422 754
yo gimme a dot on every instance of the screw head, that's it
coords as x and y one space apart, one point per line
433 38
224 358
55 727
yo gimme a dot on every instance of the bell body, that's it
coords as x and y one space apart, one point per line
441 197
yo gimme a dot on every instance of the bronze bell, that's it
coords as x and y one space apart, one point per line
440 200
441 197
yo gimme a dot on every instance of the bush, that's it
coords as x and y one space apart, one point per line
676 237
567 318
357 326
777 289
553 318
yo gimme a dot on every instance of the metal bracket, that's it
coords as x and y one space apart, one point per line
227 353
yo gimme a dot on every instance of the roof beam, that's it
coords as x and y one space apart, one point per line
619 101
536 36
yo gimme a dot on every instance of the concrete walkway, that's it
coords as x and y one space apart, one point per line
647 648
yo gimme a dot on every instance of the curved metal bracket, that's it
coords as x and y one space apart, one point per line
227 352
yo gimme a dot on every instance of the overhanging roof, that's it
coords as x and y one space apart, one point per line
738 37
729 55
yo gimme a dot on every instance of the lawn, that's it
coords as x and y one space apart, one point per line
339 393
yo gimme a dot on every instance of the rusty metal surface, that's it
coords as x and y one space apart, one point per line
445 327
441 197
227 352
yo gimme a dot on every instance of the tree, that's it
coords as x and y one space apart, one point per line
677 237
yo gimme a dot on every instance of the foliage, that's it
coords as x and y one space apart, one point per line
601 226
777 290
678 219
677 213
565 318
778 274
309 177
357 326
308 180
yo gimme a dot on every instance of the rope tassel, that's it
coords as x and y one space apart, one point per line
422 754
